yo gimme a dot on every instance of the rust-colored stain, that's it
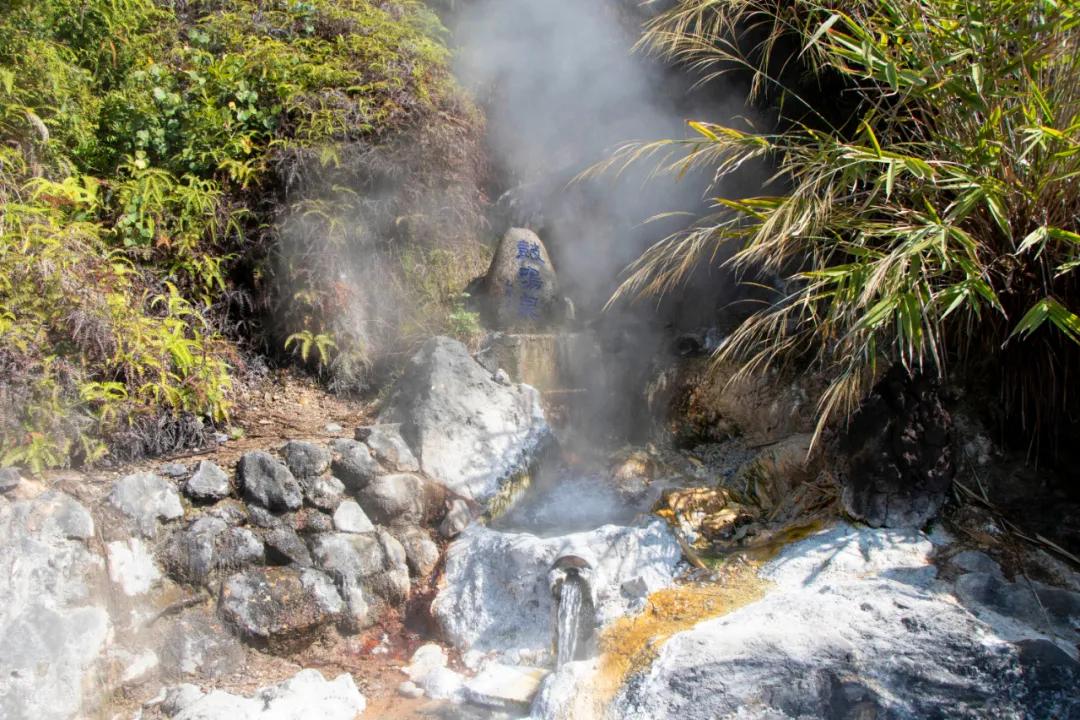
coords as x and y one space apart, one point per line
632 643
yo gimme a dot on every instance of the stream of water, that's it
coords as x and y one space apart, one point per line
568 623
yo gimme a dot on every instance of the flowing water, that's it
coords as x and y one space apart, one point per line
569 618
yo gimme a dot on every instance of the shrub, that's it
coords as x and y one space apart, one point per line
152 153
940 226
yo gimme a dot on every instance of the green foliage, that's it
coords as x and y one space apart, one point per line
941 226
144 148
304 341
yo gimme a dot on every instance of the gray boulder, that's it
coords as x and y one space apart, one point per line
209 483
145 498
370 570
1028 605
520 289
400 498
208 545
325 492
306 695
280 608
468 431
355 464
306 460
268 483
51 629
389 447
173 470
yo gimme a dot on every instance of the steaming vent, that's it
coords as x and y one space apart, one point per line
575 614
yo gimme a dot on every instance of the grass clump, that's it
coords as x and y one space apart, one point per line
152 154
938 225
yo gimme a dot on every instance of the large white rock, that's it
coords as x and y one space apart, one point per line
857 626
497 595
468 431
306 695
51 630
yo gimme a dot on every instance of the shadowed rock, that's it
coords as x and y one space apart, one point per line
268 483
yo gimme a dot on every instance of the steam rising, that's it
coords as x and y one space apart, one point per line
563 89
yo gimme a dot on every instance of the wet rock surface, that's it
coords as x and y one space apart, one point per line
497 594
857 626
469 432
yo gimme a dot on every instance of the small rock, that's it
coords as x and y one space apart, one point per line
9 479
325 492
355 464
333 428
262 518
350 518
208 483
426 659
305 459
146 498
221 438
457 518
310 521
269 483
283 608
173 470
389 447
131 566
231 511
208 545
502 377
395 498
284 546
409 689
421 552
